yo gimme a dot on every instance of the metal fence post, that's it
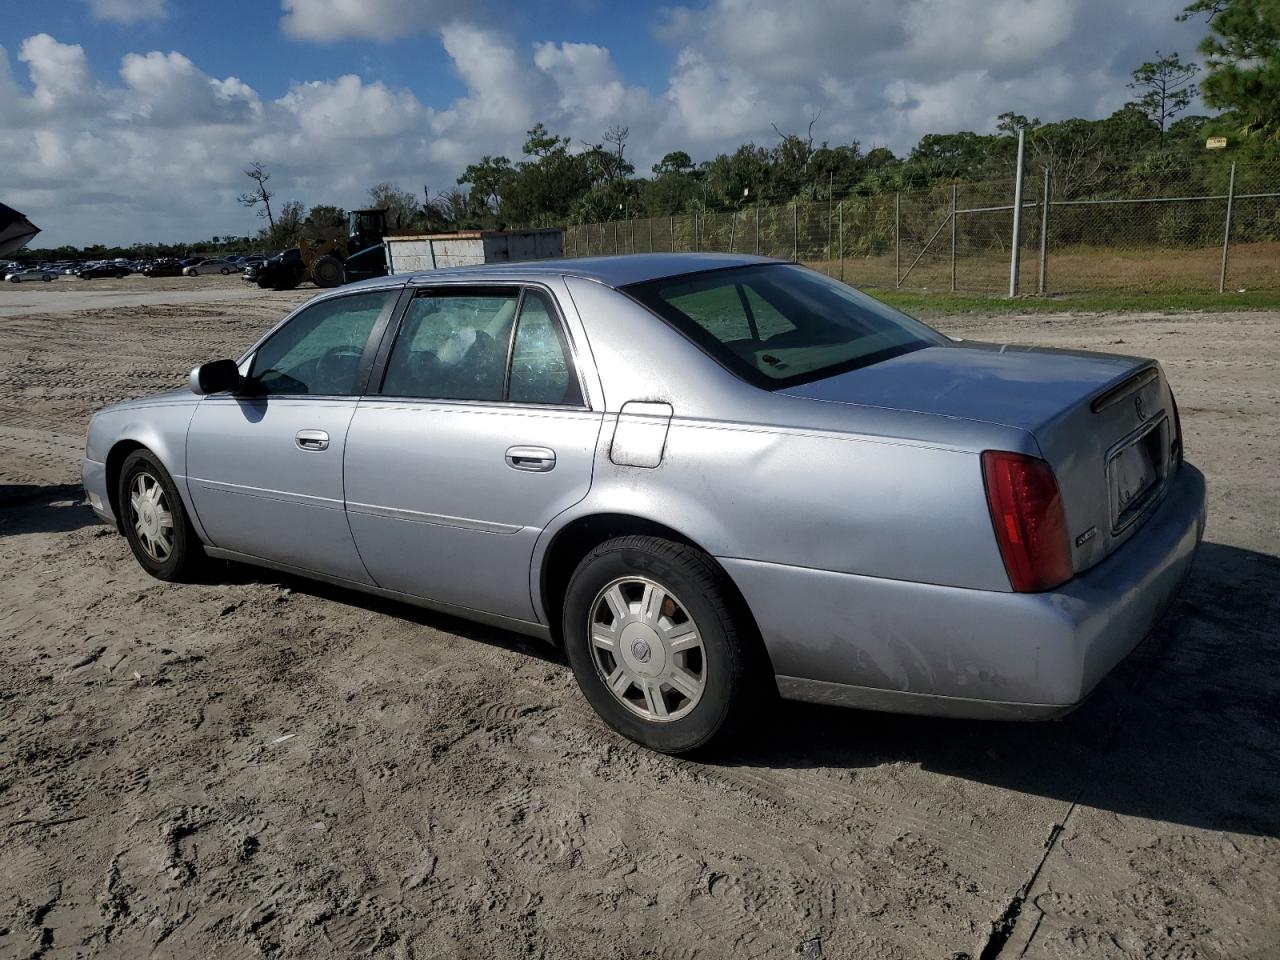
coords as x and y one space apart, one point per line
953 237
795 231
1044 236
733 230
1015 254
697 239
897 239
1226 230
615 238
671 229
757 230
840 215
651 234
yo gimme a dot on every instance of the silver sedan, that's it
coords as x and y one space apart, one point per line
710 478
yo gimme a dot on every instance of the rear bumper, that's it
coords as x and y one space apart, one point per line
94 477
922 648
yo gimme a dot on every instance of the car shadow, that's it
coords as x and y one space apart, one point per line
232 573
43 508
1186 730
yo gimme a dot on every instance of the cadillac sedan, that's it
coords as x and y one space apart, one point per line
710 478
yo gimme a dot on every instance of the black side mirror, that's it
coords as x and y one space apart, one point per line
217 376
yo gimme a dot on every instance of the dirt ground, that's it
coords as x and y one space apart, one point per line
257 765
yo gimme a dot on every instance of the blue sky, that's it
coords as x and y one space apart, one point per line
127 120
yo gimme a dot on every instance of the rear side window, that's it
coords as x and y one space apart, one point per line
778 324
471 345
540 367
453 346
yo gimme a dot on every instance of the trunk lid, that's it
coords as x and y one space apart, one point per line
1103 422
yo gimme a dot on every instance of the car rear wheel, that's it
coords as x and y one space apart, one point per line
654 644
225 271
155 521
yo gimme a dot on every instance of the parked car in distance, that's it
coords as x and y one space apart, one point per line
24 274
216 265
284 271
97 271
710 477
164 267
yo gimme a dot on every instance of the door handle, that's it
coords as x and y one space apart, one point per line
533 459
311 440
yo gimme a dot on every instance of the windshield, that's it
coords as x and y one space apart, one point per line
776 325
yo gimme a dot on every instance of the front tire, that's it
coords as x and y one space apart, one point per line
155 520
654 644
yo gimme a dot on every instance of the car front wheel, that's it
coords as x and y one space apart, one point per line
654 644
155 521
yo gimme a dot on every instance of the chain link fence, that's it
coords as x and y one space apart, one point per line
1223 235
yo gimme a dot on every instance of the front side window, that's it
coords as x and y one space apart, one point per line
318 352
778 324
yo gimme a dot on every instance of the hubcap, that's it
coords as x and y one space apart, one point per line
647 649
151 517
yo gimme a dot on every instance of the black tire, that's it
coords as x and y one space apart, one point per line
225 271
729 665
186 553
121 276
327 271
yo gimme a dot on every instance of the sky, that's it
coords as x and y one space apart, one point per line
132 120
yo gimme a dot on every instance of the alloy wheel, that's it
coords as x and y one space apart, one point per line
151 516
647 649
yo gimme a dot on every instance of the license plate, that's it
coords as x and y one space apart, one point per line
1132 474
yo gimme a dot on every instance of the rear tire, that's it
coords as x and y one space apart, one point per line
650 632
155 520
327 271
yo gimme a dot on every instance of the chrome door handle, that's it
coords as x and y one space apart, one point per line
533 459
311 440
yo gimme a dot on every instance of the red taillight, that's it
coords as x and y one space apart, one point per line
1175 447
1026 511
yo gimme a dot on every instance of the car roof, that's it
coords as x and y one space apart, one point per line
617 271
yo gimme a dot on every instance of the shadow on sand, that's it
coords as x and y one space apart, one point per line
1186 730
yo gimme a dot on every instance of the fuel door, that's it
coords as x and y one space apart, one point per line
640 434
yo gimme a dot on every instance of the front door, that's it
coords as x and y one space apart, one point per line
265 466
478 437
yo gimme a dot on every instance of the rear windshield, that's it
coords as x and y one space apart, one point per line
776 325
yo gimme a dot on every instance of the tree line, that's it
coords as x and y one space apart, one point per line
1149 146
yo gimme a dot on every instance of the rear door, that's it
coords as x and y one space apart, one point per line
265 467
477 436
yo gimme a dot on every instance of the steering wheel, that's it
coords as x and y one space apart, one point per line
338 364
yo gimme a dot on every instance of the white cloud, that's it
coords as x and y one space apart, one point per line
128 11
157 151
324 21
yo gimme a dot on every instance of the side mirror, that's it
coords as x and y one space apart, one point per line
218 376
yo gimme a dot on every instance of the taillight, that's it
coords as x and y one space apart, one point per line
1175 448
1030 526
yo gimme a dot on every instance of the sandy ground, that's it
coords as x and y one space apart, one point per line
263 766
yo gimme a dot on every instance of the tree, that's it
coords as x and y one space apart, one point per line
1010 123
260 194
402 207
1243 51
675 162
1168 88
489 179
325 222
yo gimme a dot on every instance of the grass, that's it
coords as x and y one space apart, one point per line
1112 301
